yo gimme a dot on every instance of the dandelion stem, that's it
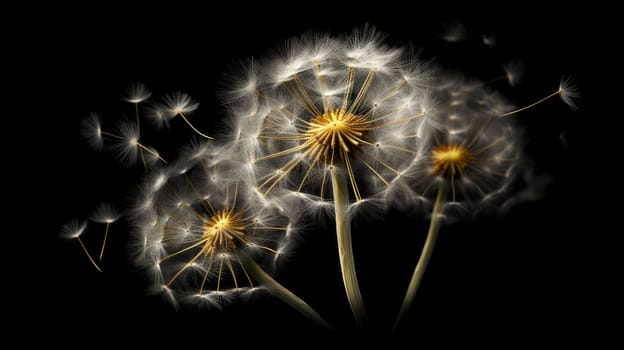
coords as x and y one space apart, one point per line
104 240
284 294
345 247
425 255
533 104
138 123
194 129
88 255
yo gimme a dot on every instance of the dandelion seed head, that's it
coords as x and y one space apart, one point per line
209 224
475 153
325 106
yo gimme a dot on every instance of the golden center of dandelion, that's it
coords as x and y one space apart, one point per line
223 232
450 159
335 128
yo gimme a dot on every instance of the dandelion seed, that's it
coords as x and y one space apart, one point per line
179 103
107 214
568 91
73 229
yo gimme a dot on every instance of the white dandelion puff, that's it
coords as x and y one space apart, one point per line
157 115
105 213
137 93
475 154
569 91
126 146
74 229
91 131
179 103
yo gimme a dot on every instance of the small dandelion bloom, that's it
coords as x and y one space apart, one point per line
476 156
489 40
203 230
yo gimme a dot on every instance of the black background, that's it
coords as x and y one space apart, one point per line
526 278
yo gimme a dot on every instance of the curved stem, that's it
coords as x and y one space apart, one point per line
425 255
345 247
104 240
194 129
88 255
533 104
284 294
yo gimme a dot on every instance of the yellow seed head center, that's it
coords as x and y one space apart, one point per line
335 128
224 231
449 160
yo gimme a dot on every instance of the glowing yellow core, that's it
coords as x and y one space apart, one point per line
335 127
450 159
223 231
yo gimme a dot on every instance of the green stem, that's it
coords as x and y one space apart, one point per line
345 247
425 255
284 294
